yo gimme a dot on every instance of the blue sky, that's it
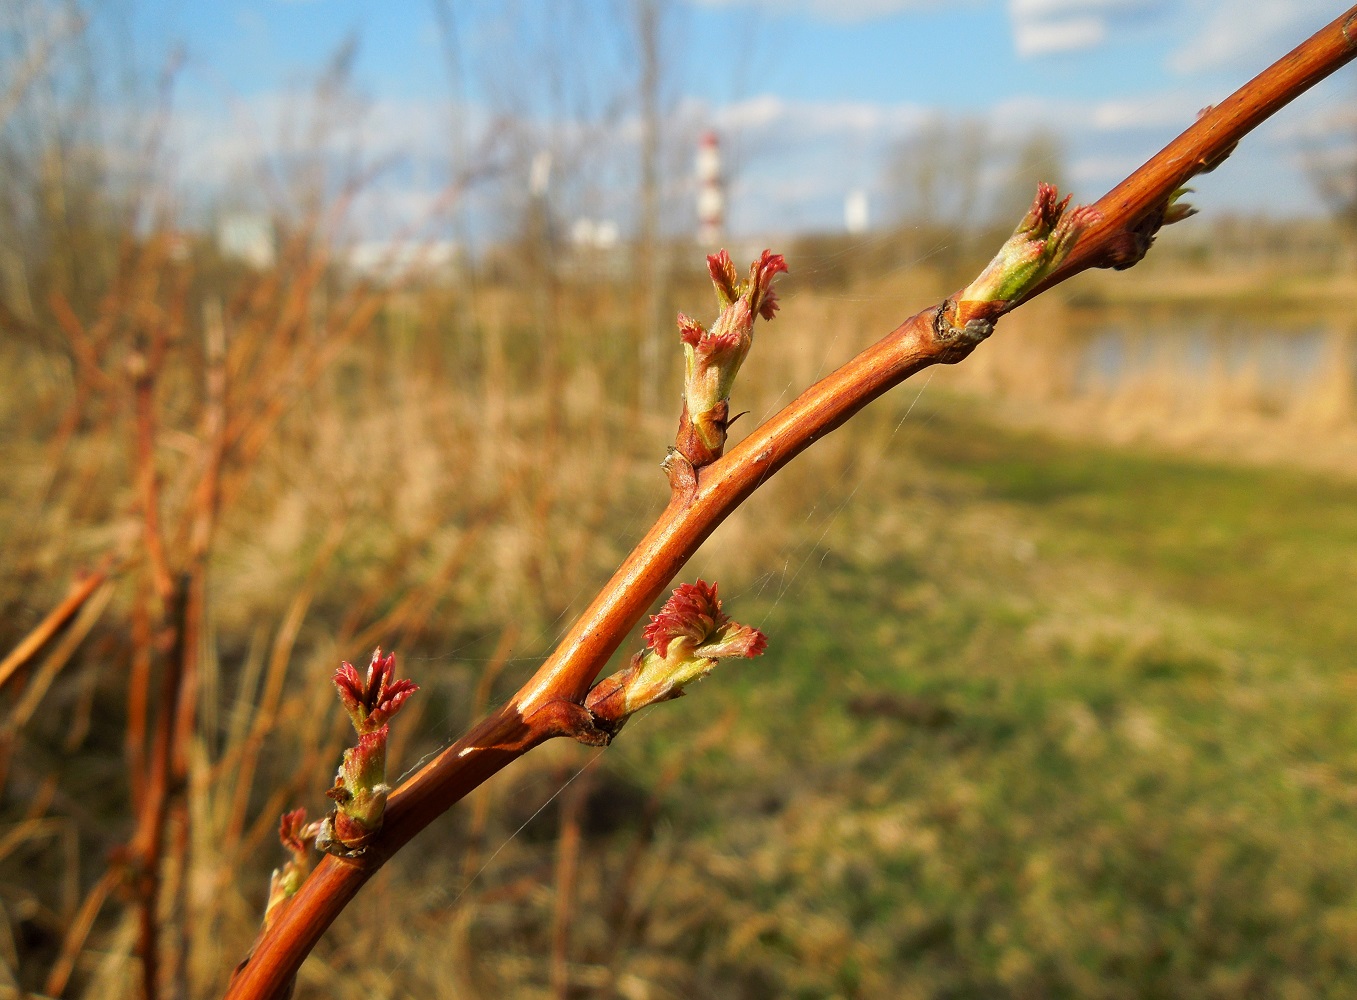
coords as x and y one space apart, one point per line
808 96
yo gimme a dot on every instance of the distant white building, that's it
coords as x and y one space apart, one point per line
595 234
398 258
855 215
539 174
247 237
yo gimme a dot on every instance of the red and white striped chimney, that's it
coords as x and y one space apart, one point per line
711 199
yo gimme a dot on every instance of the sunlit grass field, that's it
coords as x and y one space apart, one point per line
1037 720
1040 716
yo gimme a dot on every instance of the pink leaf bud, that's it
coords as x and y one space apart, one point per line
1043 239
295 833
763 297
691 331
360 789
372 701
693 617
723 276
712 357
685 639
297 836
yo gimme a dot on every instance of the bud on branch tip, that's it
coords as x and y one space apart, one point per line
713 357
684 641
372 701
1043 239
360 789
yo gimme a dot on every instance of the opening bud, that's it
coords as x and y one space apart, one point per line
713 357
297 835
684 641
1044 238
360 789
371 701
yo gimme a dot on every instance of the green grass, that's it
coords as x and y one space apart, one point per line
1272 544
1038 720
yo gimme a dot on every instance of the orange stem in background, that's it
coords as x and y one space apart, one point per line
147 846
80 591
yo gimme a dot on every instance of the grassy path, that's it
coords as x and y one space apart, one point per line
1047 721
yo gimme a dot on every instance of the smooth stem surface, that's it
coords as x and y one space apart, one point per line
1211 138
724 485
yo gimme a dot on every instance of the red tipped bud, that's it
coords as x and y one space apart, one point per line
691 331
360 789
295 833
762 295
1043 239
723 276
713 357
373 700
692 617
684 640
297 836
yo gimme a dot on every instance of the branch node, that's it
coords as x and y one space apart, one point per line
1129 247
682 475
967 336
569 718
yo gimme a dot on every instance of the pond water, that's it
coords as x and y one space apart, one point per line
1264 386
1277 361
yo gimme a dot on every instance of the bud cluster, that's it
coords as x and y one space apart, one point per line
1043 239
297 836
684 641
713 357
360 789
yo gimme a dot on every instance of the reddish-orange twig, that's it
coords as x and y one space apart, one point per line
1129 215
567 868
74 600
147 846
144 371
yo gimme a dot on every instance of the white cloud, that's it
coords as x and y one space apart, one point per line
1240 33
1102 170
1020 114
1169 110
1338 118
1149 112
841 10
1042 38
1340 157
789 162
1068 8
251 152
755 112
801 120
1048 27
